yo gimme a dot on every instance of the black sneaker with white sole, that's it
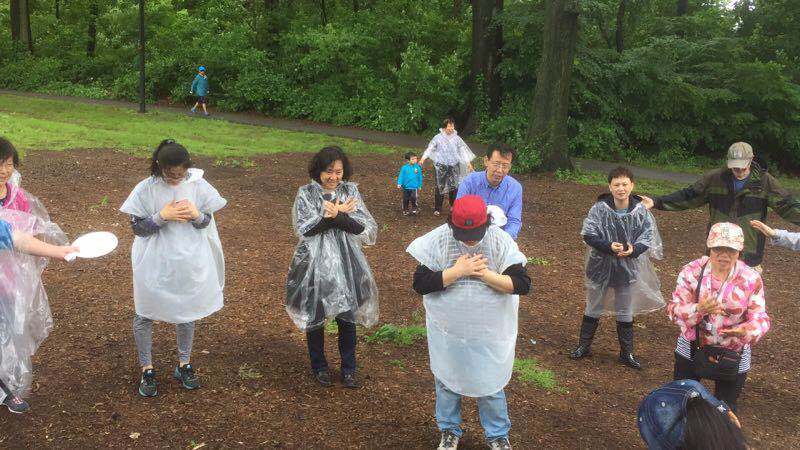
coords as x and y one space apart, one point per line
147 384
16 404
187 377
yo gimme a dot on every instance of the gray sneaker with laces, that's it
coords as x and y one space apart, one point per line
147 384
16 404
500 444
449 441
188 379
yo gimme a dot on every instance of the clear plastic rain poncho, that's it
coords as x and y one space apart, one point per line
451 157
25 319
329 275
622 286
178 272
472 328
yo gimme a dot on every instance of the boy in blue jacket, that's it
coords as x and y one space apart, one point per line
200 88
410 181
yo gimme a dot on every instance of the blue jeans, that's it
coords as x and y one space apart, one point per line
492 409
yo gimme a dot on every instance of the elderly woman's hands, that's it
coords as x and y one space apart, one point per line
709 306
737 331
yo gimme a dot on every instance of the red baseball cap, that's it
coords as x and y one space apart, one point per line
468 219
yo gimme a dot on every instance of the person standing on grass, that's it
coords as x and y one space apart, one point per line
742 192
497 187
470 274
622 235
452 161
178 264
329 276
410 181
200 88
781 238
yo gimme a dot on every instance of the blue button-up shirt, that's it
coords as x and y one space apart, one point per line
507 195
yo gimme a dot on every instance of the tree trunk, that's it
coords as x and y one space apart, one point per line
91 32
21 24
58 10
355 6
683 7
458 6
547 131
484 81
323 12
619 35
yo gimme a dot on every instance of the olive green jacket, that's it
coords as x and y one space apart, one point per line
715 188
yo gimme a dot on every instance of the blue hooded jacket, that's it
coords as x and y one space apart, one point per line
200 85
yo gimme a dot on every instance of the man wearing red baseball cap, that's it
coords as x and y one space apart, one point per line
470 275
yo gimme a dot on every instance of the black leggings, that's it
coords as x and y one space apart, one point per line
727 391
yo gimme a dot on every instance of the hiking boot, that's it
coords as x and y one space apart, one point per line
323 377
16 404
349 381
500 444
449 441
185 374
147 385
584 348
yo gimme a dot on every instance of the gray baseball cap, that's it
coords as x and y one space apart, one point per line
739 155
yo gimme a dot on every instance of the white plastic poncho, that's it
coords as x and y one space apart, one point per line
606 274
451 157
329 275
472 328
178 272
25 319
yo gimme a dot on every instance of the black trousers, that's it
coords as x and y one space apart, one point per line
438 198
727 391
410 196
347 347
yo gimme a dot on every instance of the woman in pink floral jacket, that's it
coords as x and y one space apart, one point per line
731 310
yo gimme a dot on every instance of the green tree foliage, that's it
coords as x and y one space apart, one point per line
685 85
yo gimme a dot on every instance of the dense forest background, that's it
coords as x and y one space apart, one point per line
664 81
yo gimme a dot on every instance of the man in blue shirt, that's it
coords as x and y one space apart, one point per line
497 187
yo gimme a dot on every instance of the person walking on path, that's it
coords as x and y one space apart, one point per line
719 306
452 160
497 187
742 192
470 274
200 88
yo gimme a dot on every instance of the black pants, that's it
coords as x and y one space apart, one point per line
438 198
347 347
727 391
410 196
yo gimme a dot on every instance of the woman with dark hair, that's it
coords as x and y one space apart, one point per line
682 414
719 306
452 160
329 277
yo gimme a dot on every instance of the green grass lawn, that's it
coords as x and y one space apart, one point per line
42 124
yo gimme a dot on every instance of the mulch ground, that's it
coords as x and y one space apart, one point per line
257 390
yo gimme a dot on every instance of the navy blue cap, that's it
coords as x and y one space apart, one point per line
662 414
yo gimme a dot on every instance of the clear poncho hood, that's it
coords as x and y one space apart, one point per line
605 272
472 328
329 275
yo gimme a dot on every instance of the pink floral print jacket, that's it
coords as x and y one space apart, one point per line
742 298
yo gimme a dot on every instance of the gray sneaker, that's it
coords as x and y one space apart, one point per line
147 385
188 379
500 444
16 404
449 441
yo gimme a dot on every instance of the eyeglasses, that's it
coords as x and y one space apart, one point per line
499 165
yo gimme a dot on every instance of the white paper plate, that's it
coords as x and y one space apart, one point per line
498 216
94 245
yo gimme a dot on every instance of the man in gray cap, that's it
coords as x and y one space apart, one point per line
742 192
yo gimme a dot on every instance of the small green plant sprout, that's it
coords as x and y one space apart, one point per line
248 373
399 335
102 203
397 363
331 327
528 371
193 445
384 227
538 261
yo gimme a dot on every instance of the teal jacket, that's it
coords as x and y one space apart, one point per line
200 85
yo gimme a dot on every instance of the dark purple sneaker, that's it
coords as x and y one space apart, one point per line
16 404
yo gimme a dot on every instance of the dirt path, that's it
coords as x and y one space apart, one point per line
257 390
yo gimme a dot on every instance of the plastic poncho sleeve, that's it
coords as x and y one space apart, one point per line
306 213
787 239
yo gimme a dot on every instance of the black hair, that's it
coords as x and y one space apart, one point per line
7 150
324 158
504 150
709 429
447 121
620 172
410 155
169 154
